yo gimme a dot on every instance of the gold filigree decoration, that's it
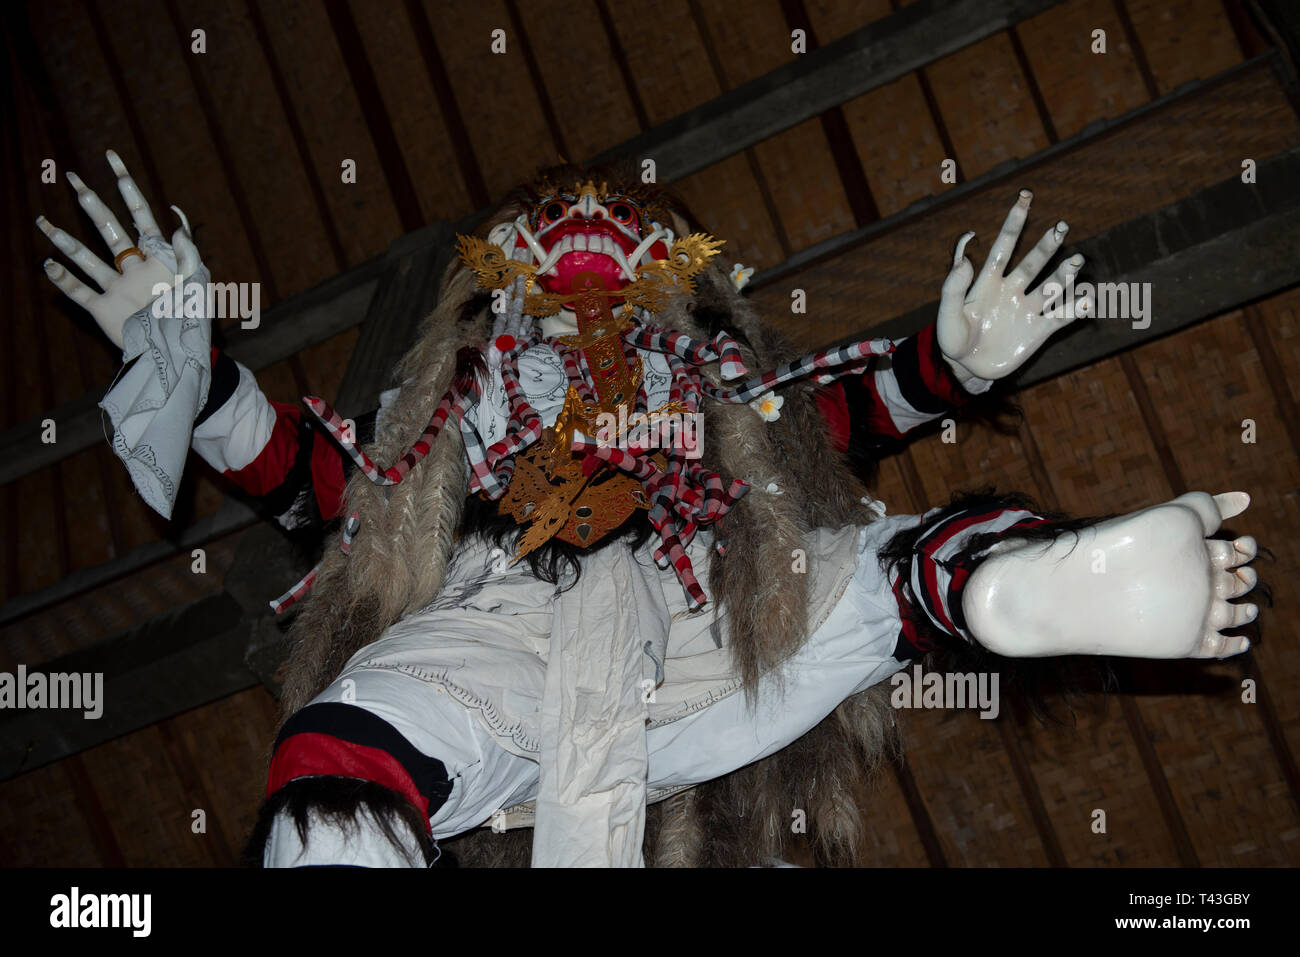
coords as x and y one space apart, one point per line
490 266
686 258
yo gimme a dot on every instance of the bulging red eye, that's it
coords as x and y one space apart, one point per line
553 211
623 213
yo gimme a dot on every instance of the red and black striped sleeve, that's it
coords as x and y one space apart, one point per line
870 414
271 450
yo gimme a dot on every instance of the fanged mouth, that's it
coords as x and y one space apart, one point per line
592 245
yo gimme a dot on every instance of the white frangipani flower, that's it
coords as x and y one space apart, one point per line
768 405
740 275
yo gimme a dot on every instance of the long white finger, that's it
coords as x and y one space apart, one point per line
1037 257
1005 244
185 220
72 287
1232 503
1054 295
88 262
141 215
953 329
187 254
1063 275
101 215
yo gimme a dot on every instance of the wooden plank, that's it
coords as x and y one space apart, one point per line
797 170
317 77
965 84
499 104
1211 750
584 85
407 293
253 118
873 56
1079 86
426 144
1183 39
1217 364
1106 174
175 662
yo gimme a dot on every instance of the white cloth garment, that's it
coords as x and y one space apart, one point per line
153 404
472 680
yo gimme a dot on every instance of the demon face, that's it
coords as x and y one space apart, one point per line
592 229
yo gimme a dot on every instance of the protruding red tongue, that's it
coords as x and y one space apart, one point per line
571 264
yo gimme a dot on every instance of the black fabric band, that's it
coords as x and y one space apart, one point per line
358 726
225 379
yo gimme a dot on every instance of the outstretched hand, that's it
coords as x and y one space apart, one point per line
990 329
140 267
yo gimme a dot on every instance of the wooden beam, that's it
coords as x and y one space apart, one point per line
1203 255
177 661
1010 171
871 57
407 292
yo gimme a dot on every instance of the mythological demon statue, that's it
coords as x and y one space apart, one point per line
600 573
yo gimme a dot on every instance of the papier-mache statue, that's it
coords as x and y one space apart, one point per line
602 580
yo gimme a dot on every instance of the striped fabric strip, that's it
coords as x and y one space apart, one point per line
939 568
722 348
304 585
831 363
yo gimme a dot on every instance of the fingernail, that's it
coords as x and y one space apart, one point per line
184 221
1062 227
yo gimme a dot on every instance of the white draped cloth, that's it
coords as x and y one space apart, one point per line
153 403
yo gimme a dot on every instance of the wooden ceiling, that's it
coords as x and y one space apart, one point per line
249 136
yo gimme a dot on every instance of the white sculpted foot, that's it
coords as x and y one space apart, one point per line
1145 585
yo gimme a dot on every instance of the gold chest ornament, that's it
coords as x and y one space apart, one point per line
549 489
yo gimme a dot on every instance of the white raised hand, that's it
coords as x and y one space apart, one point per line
991 328
120 294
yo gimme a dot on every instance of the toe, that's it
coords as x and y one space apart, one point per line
1222 554
1205 507
1234 583
1212 645
1225 615
1231 503
1215 645
1235 645
1248 578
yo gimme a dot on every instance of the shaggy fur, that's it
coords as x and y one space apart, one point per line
338 801
405 540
